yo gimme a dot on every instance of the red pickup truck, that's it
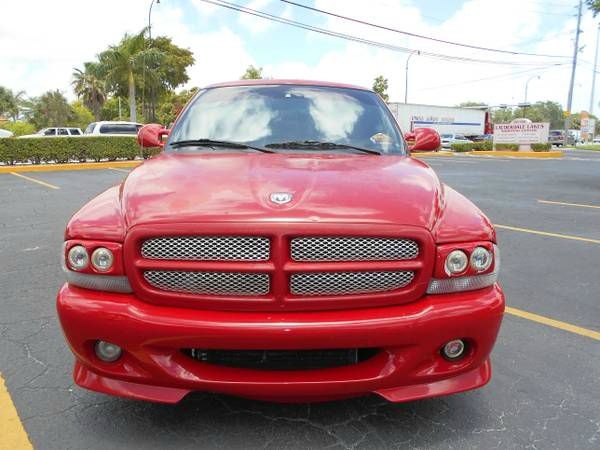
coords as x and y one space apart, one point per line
283 246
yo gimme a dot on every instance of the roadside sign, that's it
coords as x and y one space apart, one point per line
521 133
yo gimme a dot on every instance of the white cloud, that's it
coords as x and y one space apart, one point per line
253 23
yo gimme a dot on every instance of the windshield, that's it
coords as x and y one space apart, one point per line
274 114
446 136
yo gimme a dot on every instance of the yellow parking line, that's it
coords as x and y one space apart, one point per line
568 204
43 183
554 323
12 433
544 233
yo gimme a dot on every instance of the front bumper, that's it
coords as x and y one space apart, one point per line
408 367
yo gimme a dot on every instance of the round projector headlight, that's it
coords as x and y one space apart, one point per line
481 259
78 258
102 259
456 262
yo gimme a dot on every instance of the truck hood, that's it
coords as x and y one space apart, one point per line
221 187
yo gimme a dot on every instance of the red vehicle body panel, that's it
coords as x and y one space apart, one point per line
226 194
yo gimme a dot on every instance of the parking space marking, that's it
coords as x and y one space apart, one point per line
580 205
119 170
12 433
553 323
34 180
545 233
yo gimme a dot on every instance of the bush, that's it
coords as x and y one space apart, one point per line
510 147
485 146
461 148
18 128
65 149
541 147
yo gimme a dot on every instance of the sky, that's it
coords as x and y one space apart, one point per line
42 41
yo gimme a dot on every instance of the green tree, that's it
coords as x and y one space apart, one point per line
165 72
82 116
10 102
51 110
252 73
594 5
172 105
123 64
18 128
471 103
380 85
538 112
89 87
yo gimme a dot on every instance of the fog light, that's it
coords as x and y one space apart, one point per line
107 352
454 349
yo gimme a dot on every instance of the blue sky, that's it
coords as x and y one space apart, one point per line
225 42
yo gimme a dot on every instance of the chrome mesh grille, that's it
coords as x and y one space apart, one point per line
344 283
353 249
208 248
209 283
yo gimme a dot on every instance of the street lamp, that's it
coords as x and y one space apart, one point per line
406 75
150 18
527 85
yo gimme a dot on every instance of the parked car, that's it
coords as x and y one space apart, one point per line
451 138
5 133
556 137
112 128
54 132
483 138
283 246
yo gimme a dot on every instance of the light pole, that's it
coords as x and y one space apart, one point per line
594 73
144 68
150 18
527 85
406 75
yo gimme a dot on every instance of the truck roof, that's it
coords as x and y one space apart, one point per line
291 82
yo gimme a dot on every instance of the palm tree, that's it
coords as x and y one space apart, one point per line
122 64
89 87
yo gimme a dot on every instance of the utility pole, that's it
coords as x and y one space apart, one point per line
594 74
573 67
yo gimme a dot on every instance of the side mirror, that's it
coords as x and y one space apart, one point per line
151 135
426 140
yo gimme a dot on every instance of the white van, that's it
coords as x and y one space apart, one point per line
110 128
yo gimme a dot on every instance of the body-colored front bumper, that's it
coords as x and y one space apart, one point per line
409 365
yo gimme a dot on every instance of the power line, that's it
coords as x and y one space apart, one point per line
420 36
494 77
377 44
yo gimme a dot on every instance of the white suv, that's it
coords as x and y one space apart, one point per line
106 128
55 131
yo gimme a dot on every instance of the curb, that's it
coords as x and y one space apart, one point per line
502 153
440 153
70 166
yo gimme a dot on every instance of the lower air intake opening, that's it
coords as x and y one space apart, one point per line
283 359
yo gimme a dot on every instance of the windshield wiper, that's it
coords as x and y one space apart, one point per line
317 145
213 143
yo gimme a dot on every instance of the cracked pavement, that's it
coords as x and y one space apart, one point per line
543 395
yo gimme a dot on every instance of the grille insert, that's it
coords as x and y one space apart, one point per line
344 283
209 283
353 249
208 248
283 359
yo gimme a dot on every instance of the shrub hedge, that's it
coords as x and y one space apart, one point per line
541 147
66 149
511 147
461 148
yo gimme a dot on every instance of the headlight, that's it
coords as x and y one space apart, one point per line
456 262
102 259
481 259
78 258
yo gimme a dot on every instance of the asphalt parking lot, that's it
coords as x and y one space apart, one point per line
544 393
